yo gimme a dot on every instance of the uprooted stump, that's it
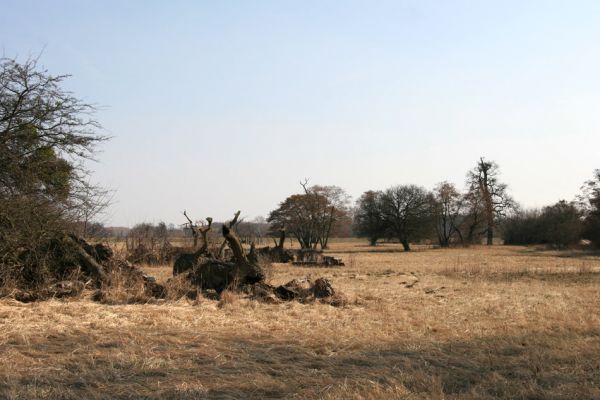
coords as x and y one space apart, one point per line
188 260
276 254
212 273
128 284
243 273
78 265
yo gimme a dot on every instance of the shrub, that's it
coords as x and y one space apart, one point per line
558 225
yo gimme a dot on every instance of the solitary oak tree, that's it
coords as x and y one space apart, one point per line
407 211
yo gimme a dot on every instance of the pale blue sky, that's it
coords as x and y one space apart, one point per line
225 105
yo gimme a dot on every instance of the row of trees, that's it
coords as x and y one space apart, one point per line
410 213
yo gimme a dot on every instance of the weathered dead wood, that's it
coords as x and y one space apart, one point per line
248 272
187 261
278 254
311 257
302 290
94 269
231 226
209 272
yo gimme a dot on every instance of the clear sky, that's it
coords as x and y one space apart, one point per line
216 106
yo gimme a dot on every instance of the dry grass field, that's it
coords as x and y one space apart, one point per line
476 323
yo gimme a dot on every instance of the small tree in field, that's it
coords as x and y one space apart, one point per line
473 219
311 217
484 186
448 206
369 220
407 210
329 207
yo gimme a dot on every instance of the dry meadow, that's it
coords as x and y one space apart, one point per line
474 323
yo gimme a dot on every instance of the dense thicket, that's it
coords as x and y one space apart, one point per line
558 225
590 205
45 135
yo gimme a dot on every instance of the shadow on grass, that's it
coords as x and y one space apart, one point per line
382 248
576 277
537 251
558 365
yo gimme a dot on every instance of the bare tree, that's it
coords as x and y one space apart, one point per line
484 185
295 215
448 207
311 217
330 205
407 210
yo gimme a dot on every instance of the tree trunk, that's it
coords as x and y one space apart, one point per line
405 245
373 241
281 239
471 234
246 271
91 266
490 235
460 236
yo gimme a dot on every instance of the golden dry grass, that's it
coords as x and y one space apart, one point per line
501 322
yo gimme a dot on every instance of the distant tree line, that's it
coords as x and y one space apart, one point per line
410 213
562 224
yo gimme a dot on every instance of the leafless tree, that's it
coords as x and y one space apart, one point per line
330 206
311 217
447 207
407 211
484 186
